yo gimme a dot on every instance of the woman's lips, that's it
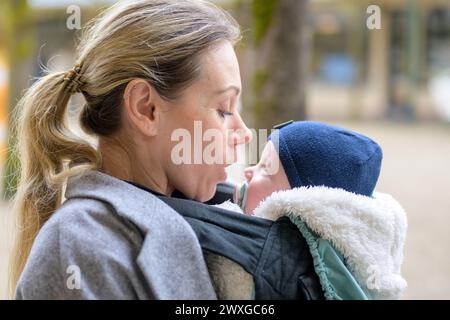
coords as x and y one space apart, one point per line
224 176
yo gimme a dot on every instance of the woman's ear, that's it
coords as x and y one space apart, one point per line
140 106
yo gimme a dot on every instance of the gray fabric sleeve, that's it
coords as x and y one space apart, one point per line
84 255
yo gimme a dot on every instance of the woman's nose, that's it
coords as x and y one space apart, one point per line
241 133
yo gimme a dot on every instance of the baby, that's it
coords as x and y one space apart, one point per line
313 154
322 178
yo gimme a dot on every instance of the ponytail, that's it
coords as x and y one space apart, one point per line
48 153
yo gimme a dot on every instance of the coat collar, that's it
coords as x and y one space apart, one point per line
128 201
369 232
180 274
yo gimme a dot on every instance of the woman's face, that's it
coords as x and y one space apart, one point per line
202 129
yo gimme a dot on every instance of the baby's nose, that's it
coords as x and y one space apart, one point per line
248 173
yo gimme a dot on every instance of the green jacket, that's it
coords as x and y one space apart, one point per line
337 281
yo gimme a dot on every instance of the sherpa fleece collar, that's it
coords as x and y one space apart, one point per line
369 232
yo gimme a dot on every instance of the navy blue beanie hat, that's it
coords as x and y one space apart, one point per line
318 154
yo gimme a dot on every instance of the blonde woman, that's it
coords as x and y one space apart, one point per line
146 68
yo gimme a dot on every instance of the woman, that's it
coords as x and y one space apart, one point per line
146 69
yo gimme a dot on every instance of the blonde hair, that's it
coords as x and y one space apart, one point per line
160 41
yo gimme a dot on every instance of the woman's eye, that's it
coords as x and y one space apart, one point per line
224 114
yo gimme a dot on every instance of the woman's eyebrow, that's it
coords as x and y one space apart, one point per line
232 87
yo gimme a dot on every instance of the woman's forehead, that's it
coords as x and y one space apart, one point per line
220 69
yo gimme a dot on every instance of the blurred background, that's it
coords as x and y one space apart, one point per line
383 71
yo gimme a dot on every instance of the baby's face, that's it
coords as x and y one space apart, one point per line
264 178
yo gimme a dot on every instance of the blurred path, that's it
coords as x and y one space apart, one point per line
416 171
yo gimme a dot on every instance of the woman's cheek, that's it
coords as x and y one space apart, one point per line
230 155
217 147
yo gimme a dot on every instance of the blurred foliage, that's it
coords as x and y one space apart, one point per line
15 21
15 26
262 16
259 81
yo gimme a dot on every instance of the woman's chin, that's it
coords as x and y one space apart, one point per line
210 189
205 197
209 194
223 177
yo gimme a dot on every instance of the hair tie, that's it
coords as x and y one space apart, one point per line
73 77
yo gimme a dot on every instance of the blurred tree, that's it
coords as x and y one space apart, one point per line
15 27
415 51
279 61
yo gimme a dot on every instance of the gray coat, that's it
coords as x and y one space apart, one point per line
111 240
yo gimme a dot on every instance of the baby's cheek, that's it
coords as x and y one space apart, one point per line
250 202
256 192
